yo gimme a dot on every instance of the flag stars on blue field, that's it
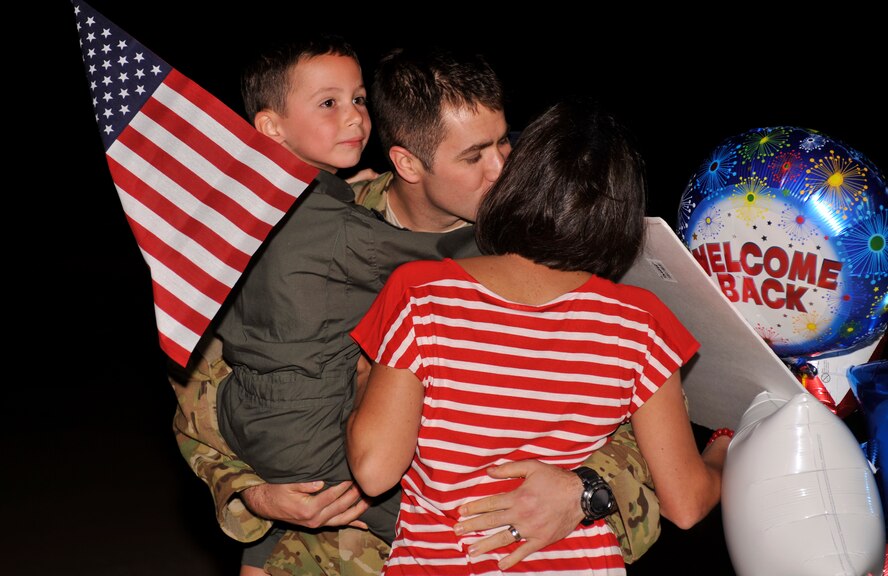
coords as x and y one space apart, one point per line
122 72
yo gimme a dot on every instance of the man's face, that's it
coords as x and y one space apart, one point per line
327 124
467 163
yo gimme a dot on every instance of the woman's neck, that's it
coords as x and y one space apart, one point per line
521 280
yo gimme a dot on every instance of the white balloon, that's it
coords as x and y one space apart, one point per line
798 494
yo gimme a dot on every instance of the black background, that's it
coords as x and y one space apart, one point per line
98 486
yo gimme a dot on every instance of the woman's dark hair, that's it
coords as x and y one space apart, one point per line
571 195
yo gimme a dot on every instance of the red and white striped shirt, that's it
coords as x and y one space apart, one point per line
506 381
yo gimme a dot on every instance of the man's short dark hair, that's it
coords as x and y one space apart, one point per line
412 89
571 195
265 82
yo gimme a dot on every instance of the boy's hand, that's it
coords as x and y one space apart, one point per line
302 504
544 509
365 174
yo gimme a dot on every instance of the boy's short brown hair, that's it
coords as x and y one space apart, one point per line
265 82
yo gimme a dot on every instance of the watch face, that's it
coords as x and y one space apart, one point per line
597 500
601 500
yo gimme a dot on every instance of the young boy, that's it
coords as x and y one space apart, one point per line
283 406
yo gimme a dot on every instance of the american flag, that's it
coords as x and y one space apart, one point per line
200 187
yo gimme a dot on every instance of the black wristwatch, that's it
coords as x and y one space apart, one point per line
597 500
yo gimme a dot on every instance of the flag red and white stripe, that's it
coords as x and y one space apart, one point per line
200 187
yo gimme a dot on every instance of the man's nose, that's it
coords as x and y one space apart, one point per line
495 163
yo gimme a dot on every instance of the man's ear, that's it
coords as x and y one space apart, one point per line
266 121
409 168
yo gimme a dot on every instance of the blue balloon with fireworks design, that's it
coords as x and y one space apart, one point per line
792 225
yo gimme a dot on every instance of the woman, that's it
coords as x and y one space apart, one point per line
529 351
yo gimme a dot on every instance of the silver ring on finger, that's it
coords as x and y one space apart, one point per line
515 533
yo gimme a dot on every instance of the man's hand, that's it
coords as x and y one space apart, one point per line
544 509
302 504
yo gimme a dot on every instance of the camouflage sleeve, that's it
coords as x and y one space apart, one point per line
637 522
200 443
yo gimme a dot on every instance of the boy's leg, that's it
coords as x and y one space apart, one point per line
256 553
287 426
382 515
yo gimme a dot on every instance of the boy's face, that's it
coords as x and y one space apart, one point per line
326 122
468 161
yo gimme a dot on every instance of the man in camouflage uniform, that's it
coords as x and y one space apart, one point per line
350 550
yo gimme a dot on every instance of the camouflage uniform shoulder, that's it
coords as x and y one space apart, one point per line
372 194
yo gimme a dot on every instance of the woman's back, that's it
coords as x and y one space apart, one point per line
506 381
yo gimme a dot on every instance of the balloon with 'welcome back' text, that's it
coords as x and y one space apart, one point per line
792 225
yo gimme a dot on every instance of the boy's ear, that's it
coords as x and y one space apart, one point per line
266 121
409 168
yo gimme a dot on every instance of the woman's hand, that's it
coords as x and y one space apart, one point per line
544 509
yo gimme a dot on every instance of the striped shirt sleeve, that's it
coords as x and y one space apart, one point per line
386 332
